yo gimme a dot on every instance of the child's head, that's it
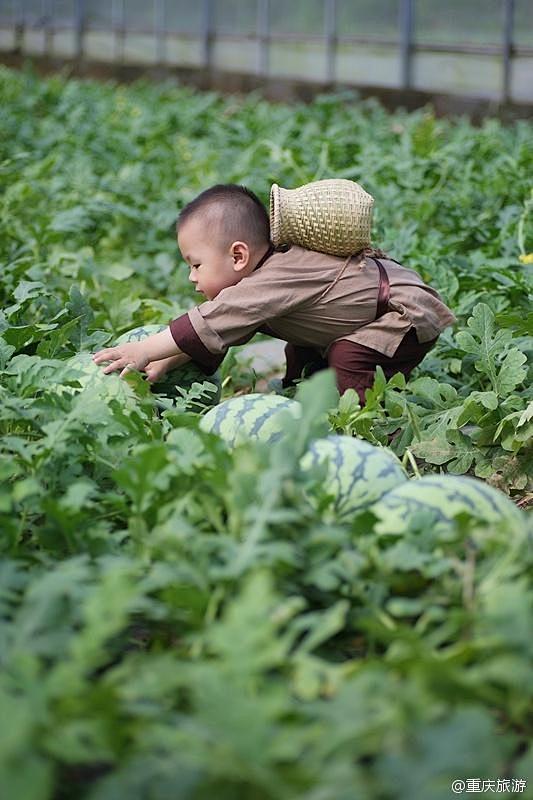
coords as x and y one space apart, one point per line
222 234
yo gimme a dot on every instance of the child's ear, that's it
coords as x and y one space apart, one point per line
240 253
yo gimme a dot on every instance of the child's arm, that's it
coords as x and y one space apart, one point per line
139 354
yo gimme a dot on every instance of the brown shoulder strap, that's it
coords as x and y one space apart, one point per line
267 255
383 290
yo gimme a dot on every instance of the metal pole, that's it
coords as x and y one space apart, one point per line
46 8
160 18
407 17
330 32
20 27
117 17
80 27
508 26
208 34
263 36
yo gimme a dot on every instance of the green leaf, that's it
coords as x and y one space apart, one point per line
322 626
27 487
317 395
73 220
6 351
463 743
28 289
78 495
119 272
79 308
20 336
187 450
490 345
511 373
475 407
144 474
456 450
515 430
440 395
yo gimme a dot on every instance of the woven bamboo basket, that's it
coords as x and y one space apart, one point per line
331 216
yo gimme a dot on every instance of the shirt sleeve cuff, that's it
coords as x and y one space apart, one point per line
190 343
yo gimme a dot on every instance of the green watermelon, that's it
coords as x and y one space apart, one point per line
90 375
442 497
183 376
252 416
358 472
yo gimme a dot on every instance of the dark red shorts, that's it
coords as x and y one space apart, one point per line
354 364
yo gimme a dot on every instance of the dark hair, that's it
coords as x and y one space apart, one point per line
232 212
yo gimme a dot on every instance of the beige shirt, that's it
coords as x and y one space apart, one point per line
312 299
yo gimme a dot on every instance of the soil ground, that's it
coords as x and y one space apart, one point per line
267 360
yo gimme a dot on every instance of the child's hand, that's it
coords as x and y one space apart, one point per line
132 355
137 355
155 370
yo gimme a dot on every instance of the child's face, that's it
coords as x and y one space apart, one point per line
212 267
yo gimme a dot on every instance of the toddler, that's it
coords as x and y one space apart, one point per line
350 314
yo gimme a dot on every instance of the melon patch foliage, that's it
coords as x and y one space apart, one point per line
176 619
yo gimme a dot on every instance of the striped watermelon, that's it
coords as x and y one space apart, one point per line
137 334
183 376
252 416
358 472
442 496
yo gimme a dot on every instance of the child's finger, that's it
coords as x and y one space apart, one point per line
117 364
105 355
